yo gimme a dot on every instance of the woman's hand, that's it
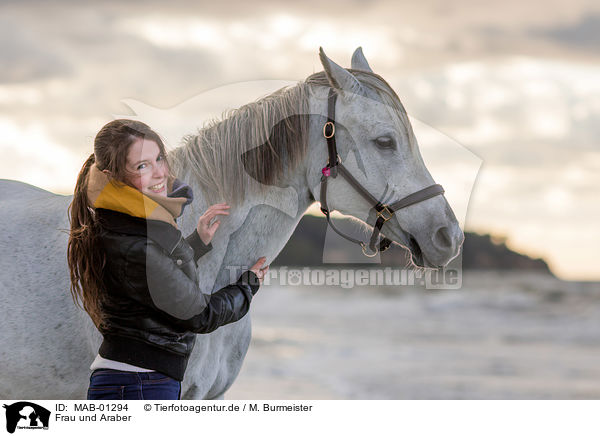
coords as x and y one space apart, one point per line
260 273
205 229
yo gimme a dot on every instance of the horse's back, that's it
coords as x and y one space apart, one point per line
31 219
13 189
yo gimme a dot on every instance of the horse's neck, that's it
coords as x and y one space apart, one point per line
270 217
261 225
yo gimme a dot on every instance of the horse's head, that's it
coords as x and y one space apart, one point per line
377 145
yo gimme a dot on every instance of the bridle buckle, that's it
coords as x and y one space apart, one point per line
381 213
338 160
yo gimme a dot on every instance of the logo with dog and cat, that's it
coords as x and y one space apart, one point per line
26 415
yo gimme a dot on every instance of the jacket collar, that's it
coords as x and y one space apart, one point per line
163 233
105 193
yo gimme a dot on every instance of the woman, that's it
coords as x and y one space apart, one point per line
134 272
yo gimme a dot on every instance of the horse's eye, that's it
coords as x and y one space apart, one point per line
385 142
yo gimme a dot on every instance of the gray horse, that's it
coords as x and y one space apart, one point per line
265 160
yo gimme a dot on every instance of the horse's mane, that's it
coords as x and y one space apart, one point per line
262 139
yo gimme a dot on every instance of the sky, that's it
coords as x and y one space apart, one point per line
516 83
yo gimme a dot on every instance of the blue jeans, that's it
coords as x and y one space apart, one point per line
110 384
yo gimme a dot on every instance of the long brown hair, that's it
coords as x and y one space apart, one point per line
85 257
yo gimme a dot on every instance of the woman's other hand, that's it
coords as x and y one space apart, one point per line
205 229
256 269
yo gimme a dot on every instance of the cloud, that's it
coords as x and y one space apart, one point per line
33 157
24 59
537 107
582 35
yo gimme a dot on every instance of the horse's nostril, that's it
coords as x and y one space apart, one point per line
441 238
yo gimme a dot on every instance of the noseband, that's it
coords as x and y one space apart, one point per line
384 211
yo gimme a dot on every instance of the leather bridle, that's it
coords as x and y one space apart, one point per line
384 211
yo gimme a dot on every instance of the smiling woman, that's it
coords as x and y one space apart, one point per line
135 273
148 167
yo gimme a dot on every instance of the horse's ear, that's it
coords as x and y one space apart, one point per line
359 62
339 78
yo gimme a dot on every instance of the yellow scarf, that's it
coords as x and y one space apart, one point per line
105 193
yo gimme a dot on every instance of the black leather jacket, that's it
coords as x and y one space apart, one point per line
153 305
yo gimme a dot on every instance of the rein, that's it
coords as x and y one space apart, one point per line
384 211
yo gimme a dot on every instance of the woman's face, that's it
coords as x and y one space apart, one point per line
147 167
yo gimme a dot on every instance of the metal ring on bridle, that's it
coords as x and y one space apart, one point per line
329 123
363 246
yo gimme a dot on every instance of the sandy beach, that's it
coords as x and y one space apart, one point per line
503 335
